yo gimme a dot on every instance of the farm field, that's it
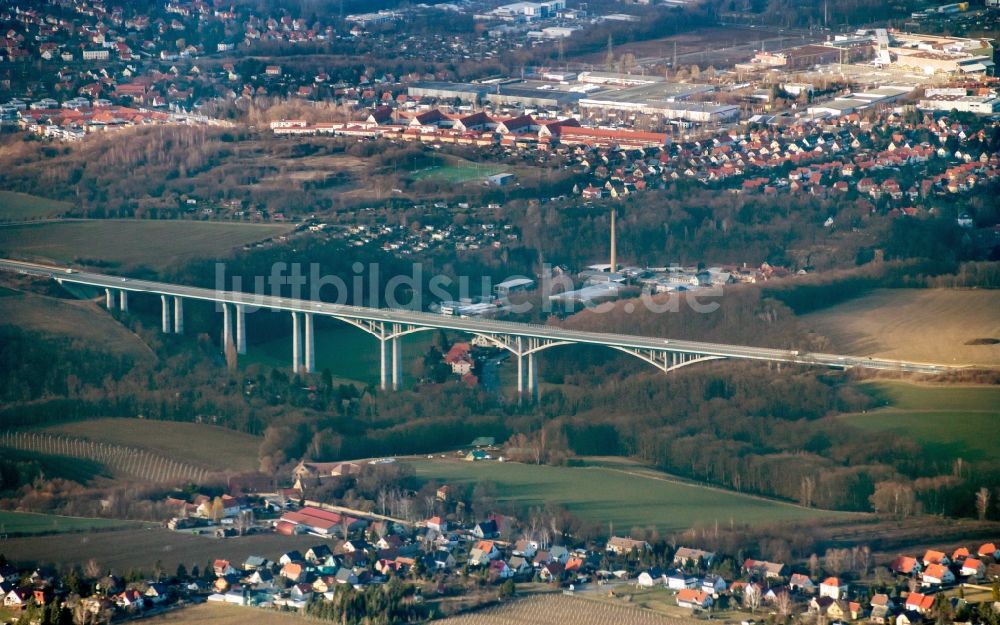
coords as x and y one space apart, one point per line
351 355
557 609
209 446
219 614
660 600
16 206
953 422
924 325
141 549
79 320
604 494
31 523
131 243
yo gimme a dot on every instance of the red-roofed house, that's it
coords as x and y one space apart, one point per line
934 557
918 602
905 565
988 550
833 587
937 574
694 599
973 567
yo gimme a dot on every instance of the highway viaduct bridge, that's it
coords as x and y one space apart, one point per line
522 340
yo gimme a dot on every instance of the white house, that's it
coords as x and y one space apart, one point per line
833 587
937 574
650 578
694 599
973 567
679 581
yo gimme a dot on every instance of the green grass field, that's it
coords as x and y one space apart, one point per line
16 206
31 523
351 355
622 496
207 446
458 171
66 467
131 242
79 320
952 422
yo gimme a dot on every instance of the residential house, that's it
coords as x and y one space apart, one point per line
909 618
252 563
919 603
713 585
519 565
501 569
292 572
833 587
443 560
437 524
652 577
525 547
485 529
157 592
905 565
17 598
802 583
318 553
843 610
290 557
882 609
8 573
551 571
973 567
619 545
559 553
679 581
130 599
936 575
223 568
988 550
880 615
768 570
694 599
686 555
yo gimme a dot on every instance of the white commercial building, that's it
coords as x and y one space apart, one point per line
978 104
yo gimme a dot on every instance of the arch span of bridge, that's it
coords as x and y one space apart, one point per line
524 341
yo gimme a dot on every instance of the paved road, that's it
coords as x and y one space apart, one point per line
474 326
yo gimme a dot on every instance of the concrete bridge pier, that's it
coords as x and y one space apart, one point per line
520 369
383 365
241 330
309 365
296 344
165 314
109 299
123 300
532 378
397 359
227 328
178 315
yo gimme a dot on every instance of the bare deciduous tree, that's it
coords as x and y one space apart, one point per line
982 503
